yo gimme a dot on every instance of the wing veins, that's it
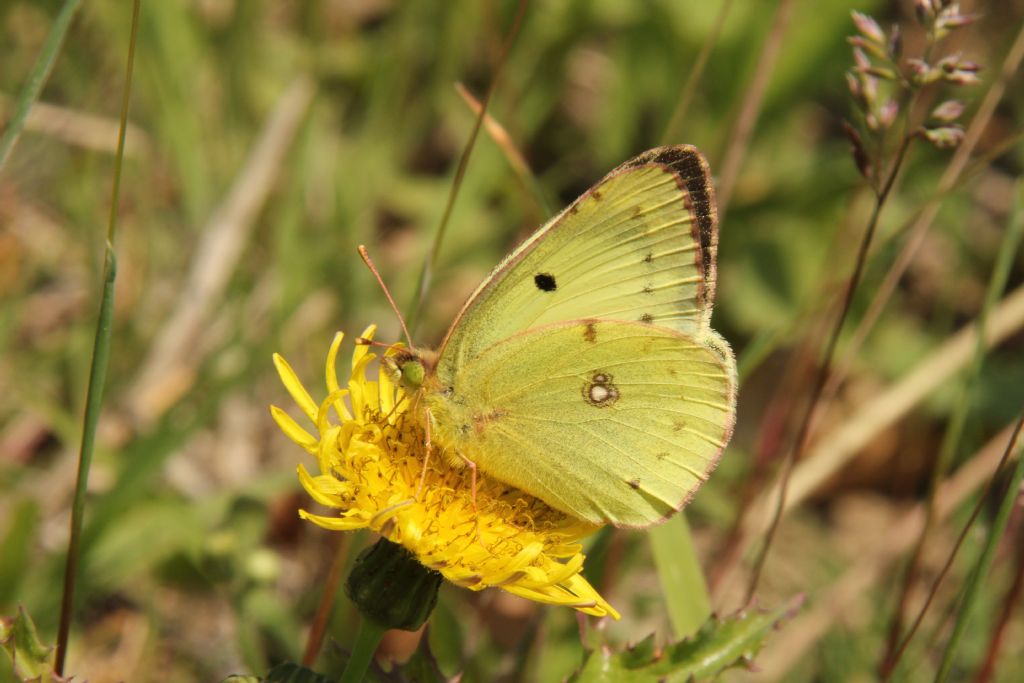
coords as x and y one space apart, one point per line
700 475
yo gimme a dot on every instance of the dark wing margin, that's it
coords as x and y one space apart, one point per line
694 176
602 213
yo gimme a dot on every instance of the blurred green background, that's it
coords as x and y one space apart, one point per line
268 139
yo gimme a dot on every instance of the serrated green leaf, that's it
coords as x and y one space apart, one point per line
717 646
30 659
637 656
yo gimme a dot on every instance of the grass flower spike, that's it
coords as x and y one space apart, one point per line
369 450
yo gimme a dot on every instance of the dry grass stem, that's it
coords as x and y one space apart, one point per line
504 142
836 448
987 670
170 366
808 628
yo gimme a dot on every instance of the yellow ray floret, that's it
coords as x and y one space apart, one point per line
370 451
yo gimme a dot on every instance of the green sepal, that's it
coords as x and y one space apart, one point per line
390 587
719 645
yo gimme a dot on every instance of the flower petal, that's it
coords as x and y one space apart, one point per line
294 387
293 431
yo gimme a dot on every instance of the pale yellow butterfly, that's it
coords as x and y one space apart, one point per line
583 370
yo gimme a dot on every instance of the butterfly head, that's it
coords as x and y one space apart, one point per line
409 368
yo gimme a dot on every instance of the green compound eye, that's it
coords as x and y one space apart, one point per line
412 374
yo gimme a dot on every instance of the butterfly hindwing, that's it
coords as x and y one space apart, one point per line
610 421
638 246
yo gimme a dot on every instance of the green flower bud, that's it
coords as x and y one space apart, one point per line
391 588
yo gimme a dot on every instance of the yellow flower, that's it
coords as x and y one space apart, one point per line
370 460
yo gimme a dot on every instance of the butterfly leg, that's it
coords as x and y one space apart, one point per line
428 446
472 487
472 478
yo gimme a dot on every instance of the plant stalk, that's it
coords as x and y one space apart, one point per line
97 370
980 571
367 640
825 368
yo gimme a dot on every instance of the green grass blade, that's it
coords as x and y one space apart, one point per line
97 370
682 580
996 286
426 273
94 401
997 283
958 419
37 79
975 581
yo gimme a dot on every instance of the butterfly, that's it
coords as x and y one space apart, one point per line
583 370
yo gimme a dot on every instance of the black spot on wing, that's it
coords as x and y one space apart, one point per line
545 282
647 318
634 484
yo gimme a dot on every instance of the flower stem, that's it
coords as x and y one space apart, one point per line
367 640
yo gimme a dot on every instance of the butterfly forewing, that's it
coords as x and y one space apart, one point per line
610 421
583 370
638 246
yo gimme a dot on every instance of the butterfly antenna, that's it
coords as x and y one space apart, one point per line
373 269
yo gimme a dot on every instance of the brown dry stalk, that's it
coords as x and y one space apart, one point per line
987 670
512 154
836 448
824 369
808 628
890 663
